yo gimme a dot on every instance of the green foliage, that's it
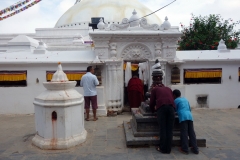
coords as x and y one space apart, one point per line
204 33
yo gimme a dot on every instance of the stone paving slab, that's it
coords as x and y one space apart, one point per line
106 139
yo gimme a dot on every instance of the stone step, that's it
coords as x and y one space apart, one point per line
152 140
148 123
148 134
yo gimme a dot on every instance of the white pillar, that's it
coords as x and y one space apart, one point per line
113 84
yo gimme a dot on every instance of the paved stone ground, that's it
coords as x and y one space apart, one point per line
106 139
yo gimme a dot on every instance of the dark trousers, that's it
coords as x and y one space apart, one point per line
187 130
166 117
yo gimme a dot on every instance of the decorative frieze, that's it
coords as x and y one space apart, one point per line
136 52
132 38
169 41
124 25
144 24
101 43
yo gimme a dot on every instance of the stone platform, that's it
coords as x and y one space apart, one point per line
106 139
143 129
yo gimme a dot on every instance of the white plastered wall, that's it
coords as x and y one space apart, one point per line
224 95
19 100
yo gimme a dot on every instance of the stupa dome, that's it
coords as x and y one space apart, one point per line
111 10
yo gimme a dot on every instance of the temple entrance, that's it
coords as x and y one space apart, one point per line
139 69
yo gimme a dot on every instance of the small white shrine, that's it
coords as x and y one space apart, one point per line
59 114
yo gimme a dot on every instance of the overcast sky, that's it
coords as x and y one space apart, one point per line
46 13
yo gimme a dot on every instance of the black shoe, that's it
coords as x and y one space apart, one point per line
194 151
159 150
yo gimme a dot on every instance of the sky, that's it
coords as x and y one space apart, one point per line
47 12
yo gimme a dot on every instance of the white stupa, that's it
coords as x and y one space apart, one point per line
111 10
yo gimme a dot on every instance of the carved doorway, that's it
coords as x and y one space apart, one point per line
135 70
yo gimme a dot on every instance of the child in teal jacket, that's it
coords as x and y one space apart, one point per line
186 122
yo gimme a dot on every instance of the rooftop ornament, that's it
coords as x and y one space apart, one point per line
41 49
166 25
101 25
222 46
134 19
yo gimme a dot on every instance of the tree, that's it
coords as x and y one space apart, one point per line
204 33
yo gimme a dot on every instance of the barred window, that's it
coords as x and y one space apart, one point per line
13 78
206 75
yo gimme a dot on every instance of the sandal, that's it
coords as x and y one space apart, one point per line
95 119
86 119
182 151
159 149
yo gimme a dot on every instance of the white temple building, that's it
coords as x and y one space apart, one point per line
208 79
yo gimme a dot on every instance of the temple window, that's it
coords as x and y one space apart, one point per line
72 76
205 75
13 78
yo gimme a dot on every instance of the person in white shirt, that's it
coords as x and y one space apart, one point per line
89 82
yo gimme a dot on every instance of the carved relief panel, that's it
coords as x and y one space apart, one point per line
169 53
169 47
136 51
101 47
102 53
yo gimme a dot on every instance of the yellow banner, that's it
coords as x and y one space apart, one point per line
203 74
134 67
13 77
71 76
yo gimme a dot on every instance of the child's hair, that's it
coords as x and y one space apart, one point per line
177 93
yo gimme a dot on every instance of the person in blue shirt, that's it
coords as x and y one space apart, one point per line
186 122
89 82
